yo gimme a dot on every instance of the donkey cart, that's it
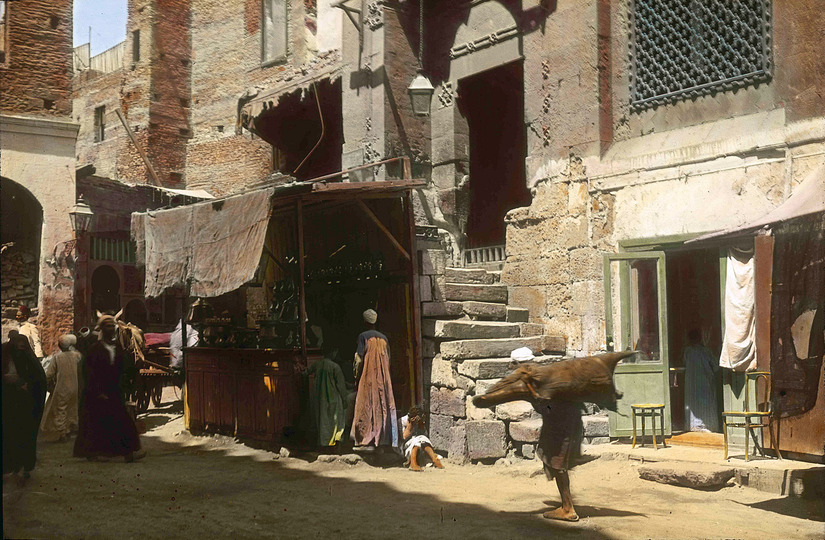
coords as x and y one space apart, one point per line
153 375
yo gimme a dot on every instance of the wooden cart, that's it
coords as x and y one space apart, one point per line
154 374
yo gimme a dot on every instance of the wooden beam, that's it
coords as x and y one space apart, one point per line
302 298
145 159
417 384
383 229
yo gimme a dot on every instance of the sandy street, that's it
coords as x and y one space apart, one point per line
214 487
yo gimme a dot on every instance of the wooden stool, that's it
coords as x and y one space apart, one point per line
750 420
643 410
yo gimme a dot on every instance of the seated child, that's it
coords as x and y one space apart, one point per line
414 427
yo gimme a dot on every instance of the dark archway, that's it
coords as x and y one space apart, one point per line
136 313
105 290
22 226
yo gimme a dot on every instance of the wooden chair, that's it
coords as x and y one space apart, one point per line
750 419
652 410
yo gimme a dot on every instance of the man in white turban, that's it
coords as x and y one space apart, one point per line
60 416
375 422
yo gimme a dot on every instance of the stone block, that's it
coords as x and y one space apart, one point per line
481 293
440 434
431 262
486 369
490 348
554 344
577 198
485 310
526 430
515 314
587 298
532 299
465 383
442 374
457 450
693 475
528 269
595 426
464 329
599 440
425 289
442 309
445 401
478 413
586 264
439 284
531 329
515 411
528 451
486 439
426 370
484 385
468 275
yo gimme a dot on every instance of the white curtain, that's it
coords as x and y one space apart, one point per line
739 346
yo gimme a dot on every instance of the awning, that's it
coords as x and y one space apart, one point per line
195 193
808 198
256 101
216 246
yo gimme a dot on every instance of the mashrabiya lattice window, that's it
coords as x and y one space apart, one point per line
686 48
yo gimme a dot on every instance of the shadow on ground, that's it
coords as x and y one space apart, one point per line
813 509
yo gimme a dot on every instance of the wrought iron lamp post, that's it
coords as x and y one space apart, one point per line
81 218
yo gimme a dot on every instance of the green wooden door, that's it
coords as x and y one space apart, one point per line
636 319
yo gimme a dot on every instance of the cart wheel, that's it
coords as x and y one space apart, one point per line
157 393
143 400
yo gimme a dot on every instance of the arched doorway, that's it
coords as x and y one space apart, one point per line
22 224
105 290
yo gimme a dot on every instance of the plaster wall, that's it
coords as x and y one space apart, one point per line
39 154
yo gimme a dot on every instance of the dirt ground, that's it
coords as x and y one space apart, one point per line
214 487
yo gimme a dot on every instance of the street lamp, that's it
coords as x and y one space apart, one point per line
421 89
81 216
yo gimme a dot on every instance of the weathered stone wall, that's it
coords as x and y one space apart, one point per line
35 80
19 280
93 89
39 154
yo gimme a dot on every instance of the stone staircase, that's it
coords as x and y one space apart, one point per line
468 332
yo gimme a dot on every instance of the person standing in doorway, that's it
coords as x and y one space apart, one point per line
375 422
700 384
28 329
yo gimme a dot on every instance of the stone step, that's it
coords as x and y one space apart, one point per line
442 310
496 275
516 314
500 348
486 368
693 475
479 293
468 275
485 310
464 329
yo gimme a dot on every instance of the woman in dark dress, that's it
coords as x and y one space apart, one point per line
24 395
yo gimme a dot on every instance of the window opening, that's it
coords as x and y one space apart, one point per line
273 31
100 123
136 46
686 48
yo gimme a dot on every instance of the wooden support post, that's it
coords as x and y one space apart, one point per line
184 312
384 230
302 307
415 308
145 159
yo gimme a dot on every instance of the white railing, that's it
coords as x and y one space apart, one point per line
492 254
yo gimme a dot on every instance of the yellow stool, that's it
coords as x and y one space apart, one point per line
652 410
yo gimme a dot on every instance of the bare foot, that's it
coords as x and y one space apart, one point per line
414 467
437 463
561 514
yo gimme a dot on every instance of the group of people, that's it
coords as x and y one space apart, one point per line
84 396
370 410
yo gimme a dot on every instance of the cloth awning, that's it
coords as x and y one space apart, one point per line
808 198
216 246
195 193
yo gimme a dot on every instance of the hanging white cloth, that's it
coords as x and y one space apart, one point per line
739 345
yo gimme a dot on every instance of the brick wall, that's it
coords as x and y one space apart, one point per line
36 77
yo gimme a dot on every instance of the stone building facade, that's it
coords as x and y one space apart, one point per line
560 133
37 163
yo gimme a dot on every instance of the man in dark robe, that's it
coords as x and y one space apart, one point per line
106 429
24 395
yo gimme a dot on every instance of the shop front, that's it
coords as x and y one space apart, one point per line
276 276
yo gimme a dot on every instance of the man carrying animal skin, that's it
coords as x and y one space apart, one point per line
106 429
557 391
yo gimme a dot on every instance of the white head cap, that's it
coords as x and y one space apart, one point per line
522 354
370 316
